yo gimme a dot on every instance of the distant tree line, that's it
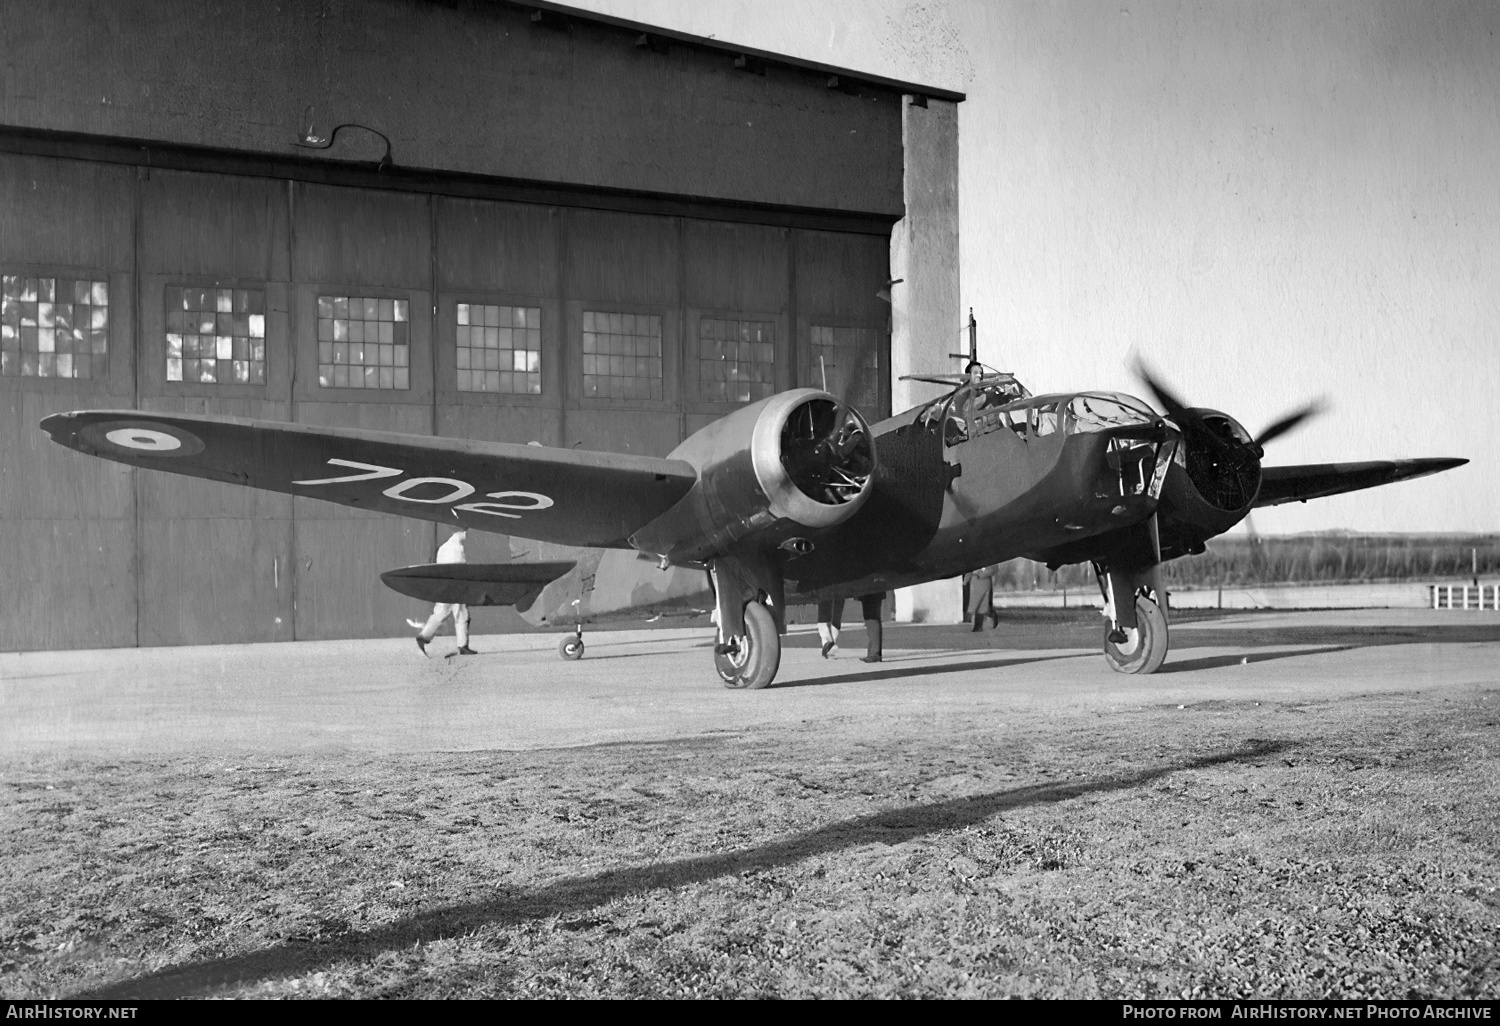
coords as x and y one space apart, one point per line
1295 559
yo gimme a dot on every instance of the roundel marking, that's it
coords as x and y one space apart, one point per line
144 438
141 438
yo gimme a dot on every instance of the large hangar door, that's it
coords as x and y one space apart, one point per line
67 551
215 560
737 346
843 327
361 315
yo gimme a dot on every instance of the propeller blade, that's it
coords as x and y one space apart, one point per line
1290 421
1175 407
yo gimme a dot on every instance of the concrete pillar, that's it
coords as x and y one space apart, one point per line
925 316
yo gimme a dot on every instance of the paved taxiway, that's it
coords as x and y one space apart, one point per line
646 685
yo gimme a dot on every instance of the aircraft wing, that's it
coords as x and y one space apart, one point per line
562 495
1315 480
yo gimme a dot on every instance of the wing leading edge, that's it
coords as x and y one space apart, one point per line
1316 480
562 495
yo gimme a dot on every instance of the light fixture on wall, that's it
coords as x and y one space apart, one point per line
310 140
885 294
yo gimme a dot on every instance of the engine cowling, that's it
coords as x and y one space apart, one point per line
802 456
1212 484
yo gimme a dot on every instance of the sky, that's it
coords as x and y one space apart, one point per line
1269 202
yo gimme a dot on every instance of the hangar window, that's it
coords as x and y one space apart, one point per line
53 327
363 342
849 360
216 335
621 355
499 348
736 359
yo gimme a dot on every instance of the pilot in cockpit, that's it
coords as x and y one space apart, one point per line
1000 390
976 392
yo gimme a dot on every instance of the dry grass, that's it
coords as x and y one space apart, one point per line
1217 850
1341 557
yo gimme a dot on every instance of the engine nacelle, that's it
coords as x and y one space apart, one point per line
1211 485
801 456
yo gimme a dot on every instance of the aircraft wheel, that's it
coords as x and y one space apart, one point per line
757 656
570 647
1145 646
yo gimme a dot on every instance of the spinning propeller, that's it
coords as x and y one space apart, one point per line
1223 460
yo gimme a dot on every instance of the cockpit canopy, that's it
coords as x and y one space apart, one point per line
1099 411
970 411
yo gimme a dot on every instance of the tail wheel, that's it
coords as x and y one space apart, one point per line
754 658
570 647
1145 644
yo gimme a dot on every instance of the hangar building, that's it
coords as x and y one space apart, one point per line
475 219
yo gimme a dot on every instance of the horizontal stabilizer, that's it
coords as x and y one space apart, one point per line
1316 480
476 584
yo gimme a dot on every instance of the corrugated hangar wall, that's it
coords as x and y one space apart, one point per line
177 276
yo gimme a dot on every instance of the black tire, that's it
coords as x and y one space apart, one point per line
757 657
1146 648
570 647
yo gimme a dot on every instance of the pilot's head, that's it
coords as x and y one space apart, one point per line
975 371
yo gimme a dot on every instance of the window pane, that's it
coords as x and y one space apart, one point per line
223 343
736 359
848 359
366 335
617 339
489 351
51 325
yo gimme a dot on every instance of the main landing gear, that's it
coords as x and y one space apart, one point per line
1135 614
1142 648
750 660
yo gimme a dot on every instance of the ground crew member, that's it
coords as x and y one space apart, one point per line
870 606
982 596
451 551
830 617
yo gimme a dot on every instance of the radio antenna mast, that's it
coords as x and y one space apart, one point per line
973 354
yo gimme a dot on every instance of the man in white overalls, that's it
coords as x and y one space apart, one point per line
451 551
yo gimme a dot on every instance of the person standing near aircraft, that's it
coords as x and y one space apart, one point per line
831 615
870 606
451 551
830 620
981 584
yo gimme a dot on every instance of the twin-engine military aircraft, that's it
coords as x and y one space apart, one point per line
792 498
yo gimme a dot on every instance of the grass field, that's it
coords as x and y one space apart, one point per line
1340 557
1311 849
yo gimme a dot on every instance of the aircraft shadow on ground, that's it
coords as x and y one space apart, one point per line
580 894
912 668
1220 661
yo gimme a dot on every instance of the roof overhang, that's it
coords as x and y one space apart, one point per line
766 56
